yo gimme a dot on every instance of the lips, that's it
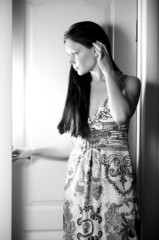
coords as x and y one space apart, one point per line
76 68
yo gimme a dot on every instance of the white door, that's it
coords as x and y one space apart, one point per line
38 184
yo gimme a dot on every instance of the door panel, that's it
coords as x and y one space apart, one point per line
45 81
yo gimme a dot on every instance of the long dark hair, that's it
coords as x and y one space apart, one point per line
76 110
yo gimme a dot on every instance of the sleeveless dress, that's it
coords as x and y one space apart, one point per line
100 195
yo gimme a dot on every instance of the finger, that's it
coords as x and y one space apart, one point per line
23 156
18 158
16 152
97 47
15 159
103 46
99 50
104 52
15 155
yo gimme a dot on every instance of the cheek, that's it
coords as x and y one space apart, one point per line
89 61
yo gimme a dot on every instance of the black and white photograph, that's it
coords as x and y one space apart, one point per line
79 126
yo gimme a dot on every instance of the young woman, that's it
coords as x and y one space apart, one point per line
100 192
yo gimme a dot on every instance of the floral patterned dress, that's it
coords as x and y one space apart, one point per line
100 196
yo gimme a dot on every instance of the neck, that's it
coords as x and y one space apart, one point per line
97 75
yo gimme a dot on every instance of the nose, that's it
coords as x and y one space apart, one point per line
71 59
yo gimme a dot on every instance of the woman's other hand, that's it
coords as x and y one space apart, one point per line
19 154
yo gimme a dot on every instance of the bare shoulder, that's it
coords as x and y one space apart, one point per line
132 84
132 80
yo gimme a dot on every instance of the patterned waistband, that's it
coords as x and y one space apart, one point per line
110 140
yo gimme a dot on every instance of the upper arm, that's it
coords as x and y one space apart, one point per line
131 91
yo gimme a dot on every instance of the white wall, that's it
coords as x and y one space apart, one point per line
5 118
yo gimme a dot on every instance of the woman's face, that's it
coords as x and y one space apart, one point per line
81 58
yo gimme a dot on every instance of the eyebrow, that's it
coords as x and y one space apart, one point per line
73 51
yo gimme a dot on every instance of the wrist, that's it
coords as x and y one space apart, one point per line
33 152
29 153
109 75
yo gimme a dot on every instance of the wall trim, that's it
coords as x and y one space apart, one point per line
5 119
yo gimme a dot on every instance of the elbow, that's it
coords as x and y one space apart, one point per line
122 119
123 116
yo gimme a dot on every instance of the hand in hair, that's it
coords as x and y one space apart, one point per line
103 57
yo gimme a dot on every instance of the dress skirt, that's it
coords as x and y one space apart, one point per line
100 189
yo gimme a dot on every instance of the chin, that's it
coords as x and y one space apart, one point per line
80 73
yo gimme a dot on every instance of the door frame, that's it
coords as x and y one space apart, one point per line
148 116
5 119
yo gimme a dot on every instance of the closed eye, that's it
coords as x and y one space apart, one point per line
75 53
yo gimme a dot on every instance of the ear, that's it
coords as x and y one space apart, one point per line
94 51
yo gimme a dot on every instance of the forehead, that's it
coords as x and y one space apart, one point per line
72 46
